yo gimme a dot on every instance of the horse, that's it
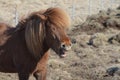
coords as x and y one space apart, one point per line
25 49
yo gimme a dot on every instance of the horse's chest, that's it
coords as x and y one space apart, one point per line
6 63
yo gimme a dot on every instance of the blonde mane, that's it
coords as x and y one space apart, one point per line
35 27
58 17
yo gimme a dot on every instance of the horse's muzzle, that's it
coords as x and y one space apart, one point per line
64 49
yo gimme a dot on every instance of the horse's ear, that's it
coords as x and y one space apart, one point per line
42 17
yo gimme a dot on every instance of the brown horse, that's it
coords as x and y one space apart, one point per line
25 49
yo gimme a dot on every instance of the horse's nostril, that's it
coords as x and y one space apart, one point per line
71 44
63 45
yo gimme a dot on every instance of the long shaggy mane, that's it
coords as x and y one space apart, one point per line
58 17
34 26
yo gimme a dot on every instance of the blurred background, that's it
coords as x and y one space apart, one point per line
10 10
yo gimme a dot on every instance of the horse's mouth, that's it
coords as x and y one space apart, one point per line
63 53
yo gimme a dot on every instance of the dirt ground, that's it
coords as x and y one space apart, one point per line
95 49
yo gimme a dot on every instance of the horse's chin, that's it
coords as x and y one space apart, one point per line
62 53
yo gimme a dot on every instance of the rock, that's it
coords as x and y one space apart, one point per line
114 39
113 70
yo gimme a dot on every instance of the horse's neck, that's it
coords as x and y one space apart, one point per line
5 33
3 28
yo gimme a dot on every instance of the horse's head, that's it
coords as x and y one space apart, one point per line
56 36
47 29
58 40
